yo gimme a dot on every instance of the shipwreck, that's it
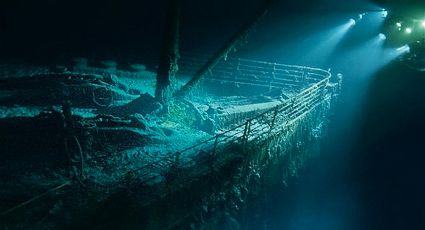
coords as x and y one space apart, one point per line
191 146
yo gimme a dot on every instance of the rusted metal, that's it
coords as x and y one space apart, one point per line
169 56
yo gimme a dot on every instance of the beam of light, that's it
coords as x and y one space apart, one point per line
326 42
391 54
376 44
369 56
384 13
404 49
359 64
408 30
310 44
375 47
423 23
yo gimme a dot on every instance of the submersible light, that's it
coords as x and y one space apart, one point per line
423 23
352 22
408 30
384 13
404 49
382 36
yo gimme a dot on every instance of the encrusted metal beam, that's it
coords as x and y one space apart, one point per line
169 56
239 37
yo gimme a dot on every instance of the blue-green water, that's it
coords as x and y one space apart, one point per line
370 173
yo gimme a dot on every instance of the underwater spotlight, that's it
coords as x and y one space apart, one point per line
408 30
414 58
352 22
404 49
398 24
423 23
382 36
384 13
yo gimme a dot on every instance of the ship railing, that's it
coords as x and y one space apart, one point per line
266 124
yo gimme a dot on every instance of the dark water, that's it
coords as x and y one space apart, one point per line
389 160
371 172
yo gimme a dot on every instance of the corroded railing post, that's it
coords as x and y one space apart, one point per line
276 111
246 134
